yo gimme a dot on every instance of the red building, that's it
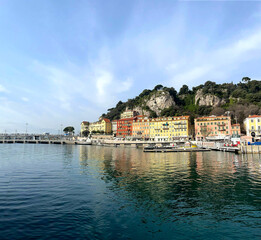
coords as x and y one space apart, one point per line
124 127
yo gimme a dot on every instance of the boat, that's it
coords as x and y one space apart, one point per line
84 142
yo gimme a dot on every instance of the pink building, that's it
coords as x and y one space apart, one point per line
213 126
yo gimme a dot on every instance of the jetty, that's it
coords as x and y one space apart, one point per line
36 139
164 150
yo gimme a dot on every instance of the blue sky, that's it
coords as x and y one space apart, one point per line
62 62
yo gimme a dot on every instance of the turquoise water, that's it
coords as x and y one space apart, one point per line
89 192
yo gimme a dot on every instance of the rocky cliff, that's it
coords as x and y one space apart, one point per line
156 102
208 99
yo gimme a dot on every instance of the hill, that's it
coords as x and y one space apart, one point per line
239 100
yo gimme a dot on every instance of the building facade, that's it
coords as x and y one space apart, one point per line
114 127
235 130
212 126
124 127
252 124
128 114
84 127
170 128
141 128
102 126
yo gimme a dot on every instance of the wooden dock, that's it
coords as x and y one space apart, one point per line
227 149
162 150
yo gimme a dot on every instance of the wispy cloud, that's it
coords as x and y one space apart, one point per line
219 63
25 99
3 89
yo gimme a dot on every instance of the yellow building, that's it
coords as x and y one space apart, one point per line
102 126
128 114
252 124
170 128
84 127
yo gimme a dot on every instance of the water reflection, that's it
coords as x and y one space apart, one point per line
214 185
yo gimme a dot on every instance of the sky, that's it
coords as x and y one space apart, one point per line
65 61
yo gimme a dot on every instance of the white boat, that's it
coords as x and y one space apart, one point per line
84 142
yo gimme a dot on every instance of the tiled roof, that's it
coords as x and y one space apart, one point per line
212 117
106 120
254 116
127 119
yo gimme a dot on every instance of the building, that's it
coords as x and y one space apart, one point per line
216 127
170 128
102 126
114 127
235 130
141 128
252 124
84 127
128 114
124 127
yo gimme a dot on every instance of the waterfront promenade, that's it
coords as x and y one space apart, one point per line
58 139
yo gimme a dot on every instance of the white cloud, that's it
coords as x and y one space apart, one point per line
3 89
25 99
217 63
103 82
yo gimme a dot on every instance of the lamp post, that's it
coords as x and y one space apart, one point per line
26 125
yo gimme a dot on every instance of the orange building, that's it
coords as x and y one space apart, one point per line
213 126
141 128
124 127
235 130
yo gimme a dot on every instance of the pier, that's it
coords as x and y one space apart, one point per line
35 139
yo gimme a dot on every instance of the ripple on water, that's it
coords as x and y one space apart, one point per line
89 192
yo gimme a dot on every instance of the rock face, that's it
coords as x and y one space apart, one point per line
208 99
156 102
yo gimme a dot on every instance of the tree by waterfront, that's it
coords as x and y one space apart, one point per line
68 129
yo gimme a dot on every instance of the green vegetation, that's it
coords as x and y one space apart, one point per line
85 133
239 100
68 129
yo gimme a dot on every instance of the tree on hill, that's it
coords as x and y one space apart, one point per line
158 87
218 111
246 79
184 90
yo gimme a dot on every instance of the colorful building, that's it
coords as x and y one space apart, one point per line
114 127
170 128
252 124
212 126
102 126
128 114
84 127
235 130
124 127
141 128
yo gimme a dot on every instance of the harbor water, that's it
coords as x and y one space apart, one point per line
91 192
